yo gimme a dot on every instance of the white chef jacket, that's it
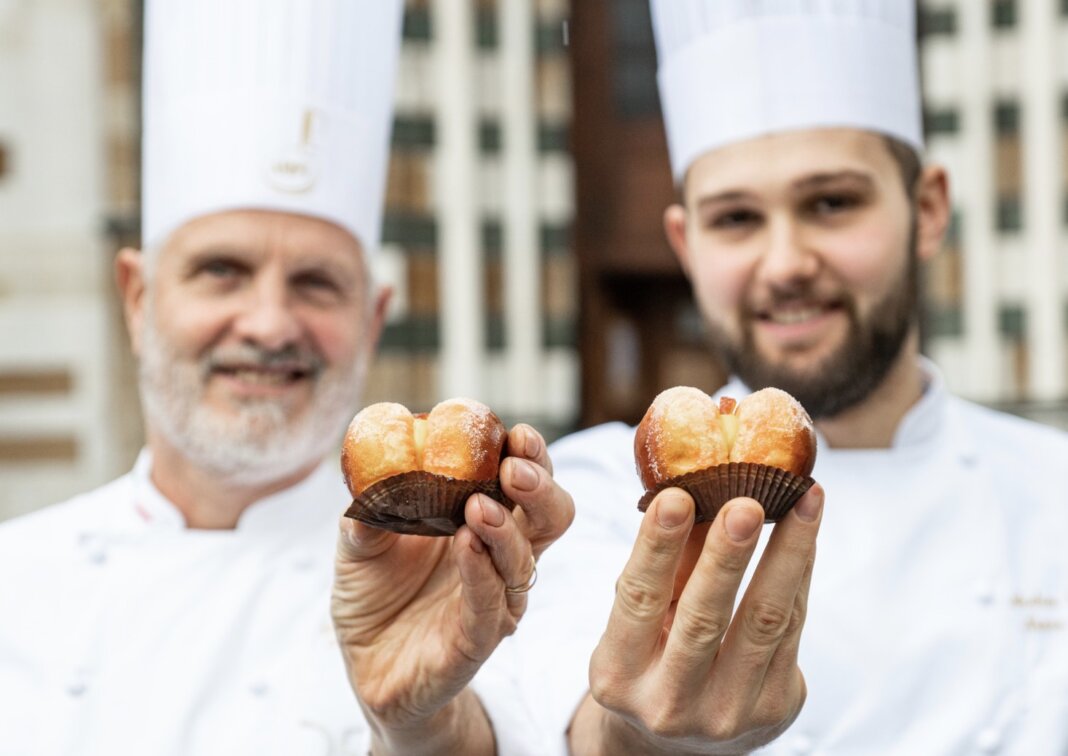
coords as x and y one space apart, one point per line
124 632
938 612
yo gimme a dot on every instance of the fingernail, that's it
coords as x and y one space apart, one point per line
348 528
524 477
476 544
672 511
531 445
742 522
492 512
808 509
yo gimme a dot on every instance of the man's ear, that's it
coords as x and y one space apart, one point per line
932 210
130 277
675 230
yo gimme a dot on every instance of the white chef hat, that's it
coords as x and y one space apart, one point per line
734 69
267 104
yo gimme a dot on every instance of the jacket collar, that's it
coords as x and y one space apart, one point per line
921 424
301 506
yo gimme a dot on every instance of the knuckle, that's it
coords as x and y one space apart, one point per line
797 617
639 599
725 727
701 629
508 625
766 623
773 714
666 721
606 685
567 512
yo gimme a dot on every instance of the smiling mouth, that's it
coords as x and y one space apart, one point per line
795 314
280 375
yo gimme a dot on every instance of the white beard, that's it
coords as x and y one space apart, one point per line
258 442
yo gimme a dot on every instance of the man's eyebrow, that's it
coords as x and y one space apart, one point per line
731 195
321 265
817 180
212 251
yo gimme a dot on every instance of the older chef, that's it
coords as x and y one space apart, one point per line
185 607
937 616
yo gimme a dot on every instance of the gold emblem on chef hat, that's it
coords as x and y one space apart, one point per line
293 170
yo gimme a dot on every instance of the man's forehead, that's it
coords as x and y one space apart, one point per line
260 231
787 158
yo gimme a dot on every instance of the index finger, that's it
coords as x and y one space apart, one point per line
524 441
706 605
544 510
643 591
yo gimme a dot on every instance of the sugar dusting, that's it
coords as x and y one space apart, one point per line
678 432
369 421
474 420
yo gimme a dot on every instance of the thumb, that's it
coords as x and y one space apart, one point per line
358 542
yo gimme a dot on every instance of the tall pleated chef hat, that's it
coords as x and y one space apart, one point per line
730 70
267 104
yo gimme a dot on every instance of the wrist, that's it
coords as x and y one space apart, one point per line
461 726
597 731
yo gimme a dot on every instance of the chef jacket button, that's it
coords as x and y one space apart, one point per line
801 744
94 546
988 740
303 564
983 591
259 689
78 685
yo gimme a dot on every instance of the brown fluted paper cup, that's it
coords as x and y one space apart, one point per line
421 503
774 488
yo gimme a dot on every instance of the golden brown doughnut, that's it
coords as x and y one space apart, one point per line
684 431
459 438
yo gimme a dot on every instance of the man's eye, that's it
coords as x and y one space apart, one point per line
831 204
316 281
732 219
220 268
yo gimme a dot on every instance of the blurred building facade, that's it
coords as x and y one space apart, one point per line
528 175
995 75
476 233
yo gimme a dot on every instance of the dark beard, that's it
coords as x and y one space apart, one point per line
847 377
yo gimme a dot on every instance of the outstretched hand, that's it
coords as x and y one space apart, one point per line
678 670
417 616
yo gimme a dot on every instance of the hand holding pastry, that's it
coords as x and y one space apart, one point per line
416 617
678 670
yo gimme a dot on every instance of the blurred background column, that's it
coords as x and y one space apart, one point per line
972 185
55 428
521 259
460 270
1042 91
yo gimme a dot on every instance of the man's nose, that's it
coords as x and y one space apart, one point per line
267 318
789 257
